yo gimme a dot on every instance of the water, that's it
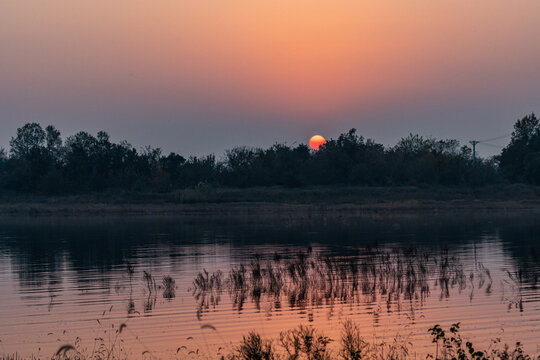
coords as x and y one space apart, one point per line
66 280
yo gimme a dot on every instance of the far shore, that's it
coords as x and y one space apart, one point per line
275 200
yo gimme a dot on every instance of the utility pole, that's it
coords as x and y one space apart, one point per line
473 143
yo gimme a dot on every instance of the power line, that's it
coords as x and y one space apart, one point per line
492 145
486 143
495 138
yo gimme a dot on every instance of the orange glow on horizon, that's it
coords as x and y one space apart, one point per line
316 142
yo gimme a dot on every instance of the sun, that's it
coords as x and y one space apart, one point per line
316 141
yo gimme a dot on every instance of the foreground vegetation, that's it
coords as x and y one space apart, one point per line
307 278
39 161
308 343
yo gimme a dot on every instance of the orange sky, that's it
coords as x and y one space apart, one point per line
276 68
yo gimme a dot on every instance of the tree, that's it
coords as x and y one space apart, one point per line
30 137
350 159
80 160
3 162
40 161
519 160
53 142
239 166
173 165
53 139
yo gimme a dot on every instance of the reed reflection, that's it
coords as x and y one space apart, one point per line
397 277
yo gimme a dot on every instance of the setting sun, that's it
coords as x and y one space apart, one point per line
316 141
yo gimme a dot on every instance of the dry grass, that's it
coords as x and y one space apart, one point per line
275 199
302 343
306 343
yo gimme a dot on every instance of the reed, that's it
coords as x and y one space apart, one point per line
306 279
11 357
255 348
306 343
169 286
301 343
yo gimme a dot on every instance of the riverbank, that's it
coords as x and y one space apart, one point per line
369 200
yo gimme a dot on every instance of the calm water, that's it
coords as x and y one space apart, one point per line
68 280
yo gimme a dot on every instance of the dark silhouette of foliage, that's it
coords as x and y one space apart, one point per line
39 161
520 160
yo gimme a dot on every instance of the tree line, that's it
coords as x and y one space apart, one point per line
40 161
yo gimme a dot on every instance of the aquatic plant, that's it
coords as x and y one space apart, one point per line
104 347
308 279
130 269
151 287
149 281
169 286
11 357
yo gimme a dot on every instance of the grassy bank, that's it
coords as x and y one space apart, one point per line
513 198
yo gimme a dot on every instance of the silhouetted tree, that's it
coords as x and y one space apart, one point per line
39 161
349 159
239 167
416 159
520 160
173 166
199 170
3 166
53 141
30 158
29 138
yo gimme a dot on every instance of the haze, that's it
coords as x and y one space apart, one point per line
198 77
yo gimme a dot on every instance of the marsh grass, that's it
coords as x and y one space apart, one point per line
307 279
109 346
207 290
276 200
150 287
13 357
169 286
306 343
300 343
255 348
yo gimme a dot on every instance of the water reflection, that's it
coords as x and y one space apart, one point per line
393 276
170 276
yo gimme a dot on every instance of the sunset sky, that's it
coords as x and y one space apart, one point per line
201 76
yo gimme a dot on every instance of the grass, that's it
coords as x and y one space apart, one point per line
306 279
169 286
395 276
404 199
307 343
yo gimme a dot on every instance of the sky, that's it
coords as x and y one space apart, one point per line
201 76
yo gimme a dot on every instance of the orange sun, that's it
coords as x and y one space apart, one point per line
316 141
